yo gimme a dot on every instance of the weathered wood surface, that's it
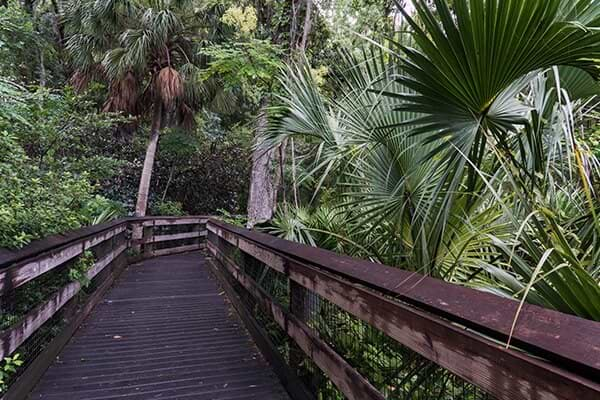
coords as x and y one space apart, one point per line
175 236
21 266
178 249
73 316
164 331
28 269
44 246
17 334
508 374
166 221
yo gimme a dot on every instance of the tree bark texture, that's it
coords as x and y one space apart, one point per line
144 188
307 25
261 202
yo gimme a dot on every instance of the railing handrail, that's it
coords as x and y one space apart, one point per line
9 258
108 244
570 342
571 345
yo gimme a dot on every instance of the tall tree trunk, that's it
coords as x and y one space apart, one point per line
261 200
42 69
144 188
307 25
294 23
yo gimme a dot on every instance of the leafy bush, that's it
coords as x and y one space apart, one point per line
7 369
239 220
167 208
78 272
99 209
36 203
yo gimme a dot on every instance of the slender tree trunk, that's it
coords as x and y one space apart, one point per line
142 199
144 188
171 172
42 69
307 24
261 200
294 23
294 182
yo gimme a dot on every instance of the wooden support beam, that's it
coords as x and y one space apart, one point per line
174 221
176 236
18 275
180 249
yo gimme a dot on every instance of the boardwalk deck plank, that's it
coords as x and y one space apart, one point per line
164 331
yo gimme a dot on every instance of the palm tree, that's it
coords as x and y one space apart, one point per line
455 152
147 51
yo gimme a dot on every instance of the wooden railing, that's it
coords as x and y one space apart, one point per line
38 332
333 327
333 307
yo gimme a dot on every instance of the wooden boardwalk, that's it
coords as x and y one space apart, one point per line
163 332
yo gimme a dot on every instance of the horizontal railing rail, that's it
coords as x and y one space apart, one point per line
462 331
334 327
41 275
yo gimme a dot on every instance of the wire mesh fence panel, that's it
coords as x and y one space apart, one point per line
397 372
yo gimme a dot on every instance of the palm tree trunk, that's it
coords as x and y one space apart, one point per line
144 188
261 199
142 199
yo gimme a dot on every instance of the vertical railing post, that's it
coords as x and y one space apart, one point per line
197 228
147 239
136 237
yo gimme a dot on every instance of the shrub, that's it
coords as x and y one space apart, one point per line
167 208
35 203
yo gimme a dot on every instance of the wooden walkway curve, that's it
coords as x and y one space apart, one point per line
164 331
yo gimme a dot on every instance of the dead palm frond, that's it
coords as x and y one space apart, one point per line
169 86
123 95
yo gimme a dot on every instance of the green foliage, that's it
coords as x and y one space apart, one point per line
79 270
592 138
242 19
18 41
8 368
250 65
36 203
99 209
134 45
351 18
470 174
48 163
238 220
167 208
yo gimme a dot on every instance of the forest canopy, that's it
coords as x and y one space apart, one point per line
458 139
